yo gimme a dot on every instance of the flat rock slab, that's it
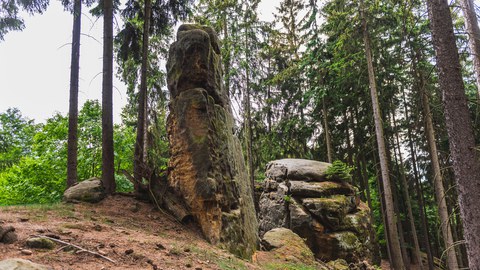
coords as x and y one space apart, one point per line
297 169
320 189
21 264
90 190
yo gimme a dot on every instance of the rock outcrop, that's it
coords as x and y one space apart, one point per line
206 167
326 212
90 190
284 246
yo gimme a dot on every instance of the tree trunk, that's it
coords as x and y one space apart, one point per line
328 140
418 190
108 177
438 183
406 194
466 165
248 117
73 104
396 253
139 161
473 31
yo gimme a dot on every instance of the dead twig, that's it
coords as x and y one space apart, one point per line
77 247
62 248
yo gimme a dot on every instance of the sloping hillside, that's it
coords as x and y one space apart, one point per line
133 234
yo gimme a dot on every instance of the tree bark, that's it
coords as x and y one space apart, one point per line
108 176
438 183
73 103
139 161
406 194
473 31
466 165
419 191
328 140
396 253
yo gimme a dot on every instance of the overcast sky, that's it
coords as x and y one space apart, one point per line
35 63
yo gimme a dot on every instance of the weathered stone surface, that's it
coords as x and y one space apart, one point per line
38 242
320 189
327 214
206 166
297 169
272 210
21 264
283 246
344 244
90 190
194 62
331 211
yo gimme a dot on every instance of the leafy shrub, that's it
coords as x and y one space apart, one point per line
123 184
32 180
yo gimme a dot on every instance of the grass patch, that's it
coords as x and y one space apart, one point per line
41 212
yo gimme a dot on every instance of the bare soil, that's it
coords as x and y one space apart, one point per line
133 234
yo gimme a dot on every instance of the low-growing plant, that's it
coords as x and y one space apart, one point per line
339 171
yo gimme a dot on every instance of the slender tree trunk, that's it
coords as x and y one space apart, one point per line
108 176
381 195
406 194
248 117
227 61
396 253
473 31
140 143
464 155
73 109
418 190
328 140
438 183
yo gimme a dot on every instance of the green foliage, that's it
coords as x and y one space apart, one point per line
33 180
36 154
16 137
123 184
10 12
339 171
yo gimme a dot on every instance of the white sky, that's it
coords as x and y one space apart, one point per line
35 63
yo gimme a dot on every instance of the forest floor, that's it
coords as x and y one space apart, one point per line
133 234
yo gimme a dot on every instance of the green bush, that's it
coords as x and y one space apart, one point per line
123 184
31 181
339 171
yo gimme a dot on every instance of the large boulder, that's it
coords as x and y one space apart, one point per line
21 264
296 169
90 190
325 212
284 246
206 168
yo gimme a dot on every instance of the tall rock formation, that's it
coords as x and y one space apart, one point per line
206 166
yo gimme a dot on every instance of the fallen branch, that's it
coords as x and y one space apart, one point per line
77 247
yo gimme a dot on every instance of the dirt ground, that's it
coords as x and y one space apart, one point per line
133 234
